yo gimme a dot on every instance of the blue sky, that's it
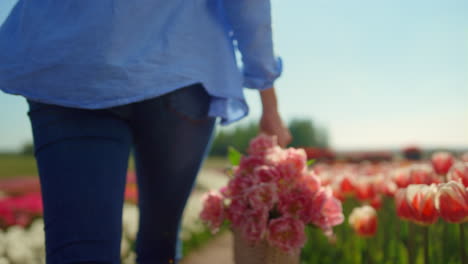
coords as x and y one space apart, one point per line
376 73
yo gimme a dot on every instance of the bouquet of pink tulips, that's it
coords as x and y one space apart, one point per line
271 197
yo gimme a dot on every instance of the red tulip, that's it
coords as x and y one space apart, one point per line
402 205
388 188
417 203
20 210
442 161
366 188
452 202
423 174
459 173
376 202
401 177
364 221
347 185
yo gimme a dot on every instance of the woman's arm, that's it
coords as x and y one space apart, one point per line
271 122
251 27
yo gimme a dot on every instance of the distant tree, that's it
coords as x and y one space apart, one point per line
303 131
306 134
238 138
27 149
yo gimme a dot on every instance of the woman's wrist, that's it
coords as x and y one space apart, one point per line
269 100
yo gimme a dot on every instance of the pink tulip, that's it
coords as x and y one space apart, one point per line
464 157
260 144
266 174
326 211
296 203
248 164
287 234
452 202
213 211
310 180
364 221
262 196
291 162
442 161
238 185
254 225
7 216
235 212
20 210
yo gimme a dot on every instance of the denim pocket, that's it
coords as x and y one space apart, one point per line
190 103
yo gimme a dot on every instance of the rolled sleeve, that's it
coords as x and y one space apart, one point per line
250 21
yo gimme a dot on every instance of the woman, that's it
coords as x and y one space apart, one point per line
104 77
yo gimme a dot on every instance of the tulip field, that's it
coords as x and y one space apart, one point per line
403 211
22 227
396 212
392 211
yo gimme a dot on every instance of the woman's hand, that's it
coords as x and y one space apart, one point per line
271 122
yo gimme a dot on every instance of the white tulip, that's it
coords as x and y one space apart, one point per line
2 244
130 259
124 247
18 253
130 221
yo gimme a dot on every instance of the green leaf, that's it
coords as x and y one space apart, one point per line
310 162
234 156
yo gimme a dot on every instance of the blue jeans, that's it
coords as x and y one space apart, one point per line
82 159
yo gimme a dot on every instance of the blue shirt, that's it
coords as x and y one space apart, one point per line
96 54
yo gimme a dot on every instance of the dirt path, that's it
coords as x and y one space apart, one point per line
219 250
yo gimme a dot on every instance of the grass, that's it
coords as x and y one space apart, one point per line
18 165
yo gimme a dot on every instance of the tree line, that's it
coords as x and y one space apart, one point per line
304 132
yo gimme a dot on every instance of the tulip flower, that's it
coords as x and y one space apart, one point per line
402 205
417 203
423 174
452 202
442 161
366 188
259 145
213 210
347 184
464 157
459 172
364 221
401 177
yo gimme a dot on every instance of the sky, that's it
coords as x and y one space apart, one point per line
378 74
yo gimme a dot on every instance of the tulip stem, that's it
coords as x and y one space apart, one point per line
411 249
426 244
462 245
366 257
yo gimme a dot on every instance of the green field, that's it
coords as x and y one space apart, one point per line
18 165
